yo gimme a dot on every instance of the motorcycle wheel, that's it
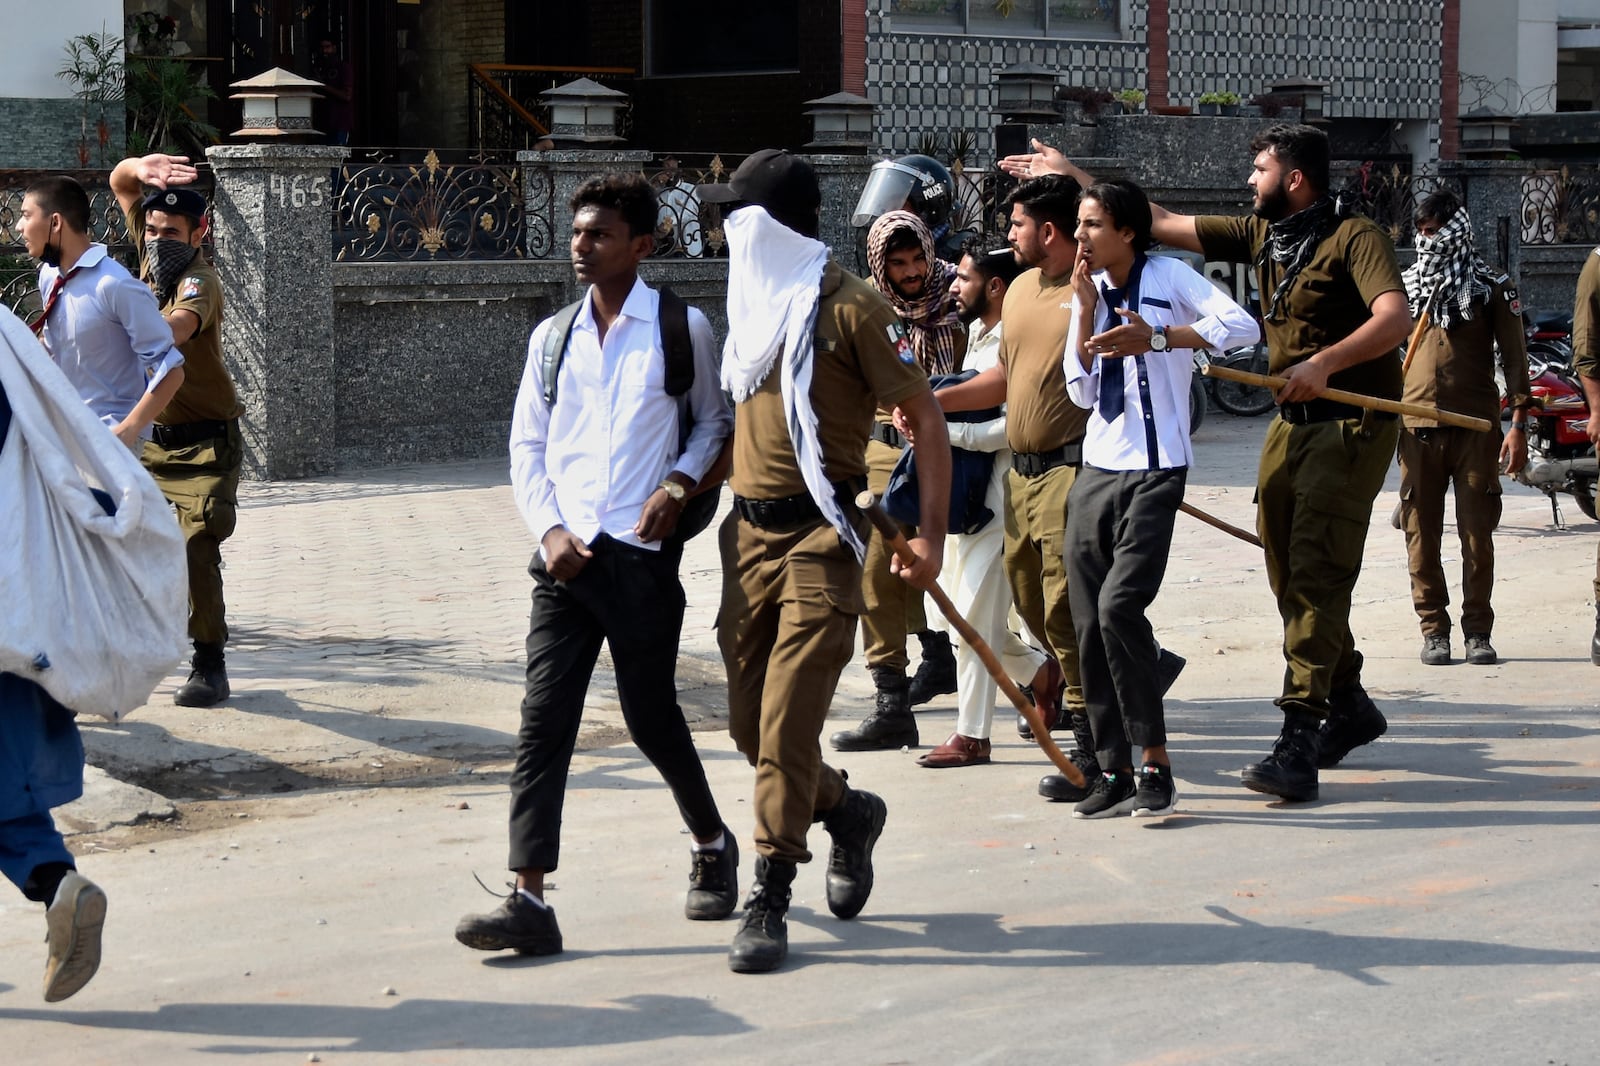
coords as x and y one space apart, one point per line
1237 398
1583 493
1197 403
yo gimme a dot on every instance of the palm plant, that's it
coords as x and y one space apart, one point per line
95 67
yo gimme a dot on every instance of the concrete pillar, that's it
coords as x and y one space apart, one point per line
272 212
1494 200
842 177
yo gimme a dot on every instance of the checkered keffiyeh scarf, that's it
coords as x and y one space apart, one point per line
1449 273
932 319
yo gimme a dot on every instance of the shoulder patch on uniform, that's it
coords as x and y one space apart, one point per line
1513 299
901 342
190 289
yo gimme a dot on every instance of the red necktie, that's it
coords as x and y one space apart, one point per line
50 301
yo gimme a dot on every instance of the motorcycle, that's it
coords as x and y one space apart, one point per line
1560 457
1235 397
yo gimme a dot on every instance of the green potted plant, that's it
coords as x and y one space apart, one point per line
1223 103
1132 100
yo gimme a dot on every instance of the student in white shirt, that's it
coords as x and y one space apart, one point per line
1129 355
601 481
100 324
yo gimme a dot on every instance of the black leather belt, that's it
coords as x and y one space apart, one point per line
792 512
885 433
1033 464
181 436
1300 414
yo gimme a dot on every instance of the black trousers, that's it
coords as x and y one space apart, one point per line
1119 532
631 599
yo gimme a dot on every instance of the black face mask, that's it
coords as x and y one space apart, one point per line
166 260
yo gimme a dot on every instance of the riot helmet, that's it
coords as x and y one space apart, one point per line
918 183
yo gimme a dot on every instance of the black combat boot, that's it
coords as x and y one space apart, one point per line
936 674
891 723
208 678
762 942
1290 772
855 823
1353 720
1083 756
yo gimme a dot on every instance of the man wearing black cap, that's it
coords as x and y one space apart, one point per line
195 451
812 351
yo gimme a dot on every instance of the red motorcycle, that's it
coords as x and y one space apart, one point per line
1560 457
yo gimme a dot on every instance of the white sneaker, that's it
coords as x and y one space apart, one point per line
75 919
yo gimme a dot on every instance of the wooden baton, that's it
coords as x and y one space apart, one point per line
868 503
1375 403
1216 523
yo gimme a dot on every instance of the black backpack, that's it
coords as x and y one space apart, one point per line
678 347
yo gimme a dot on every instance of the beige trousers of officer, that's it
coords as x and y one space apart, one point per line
1431 461
1315 490
201 481
894 607
786 627
1036 524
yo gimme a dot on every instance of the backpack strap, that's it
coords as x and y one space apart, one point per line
676 343
555 348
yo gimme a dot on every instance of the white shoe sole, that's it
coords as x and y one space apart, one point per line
75 920
1162 812
1110 812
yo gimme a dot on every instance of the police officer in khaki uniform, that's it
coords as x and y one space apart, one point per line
1473 312
195 451
1335 312
1044 430
811 354
1586 360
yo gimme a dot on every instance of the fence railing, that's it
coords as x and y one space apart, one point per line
1561 206
391 207
1389 193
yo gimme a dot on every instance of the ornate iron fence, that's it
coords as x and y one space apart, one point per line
388 209
1389 193
1561 206
685 227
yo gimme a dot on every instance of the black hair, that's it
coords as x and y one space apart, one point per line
1441 207
630 195
902 239
1049 198
1128 207
1300 147
60 195
992 263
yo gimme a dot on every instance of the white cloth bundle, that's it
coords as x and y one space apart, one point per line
93 607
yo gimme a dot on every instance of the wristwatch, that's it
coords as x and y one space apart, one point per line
678 493
1158 339
1523 426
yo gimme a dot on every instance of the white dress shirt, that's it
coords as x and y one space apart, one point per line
591 464
106 334
1171 294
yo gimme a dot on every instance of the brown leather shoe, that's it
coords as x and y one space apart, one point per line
957 751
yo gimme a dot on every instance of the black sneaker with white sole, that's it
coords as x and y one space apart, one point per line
1113 794
1157 795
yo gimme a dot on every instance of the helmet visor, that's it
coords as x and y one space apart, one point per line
888 186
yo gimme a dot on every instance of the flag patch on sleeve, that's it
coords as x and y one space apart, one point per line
190 289
902 343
